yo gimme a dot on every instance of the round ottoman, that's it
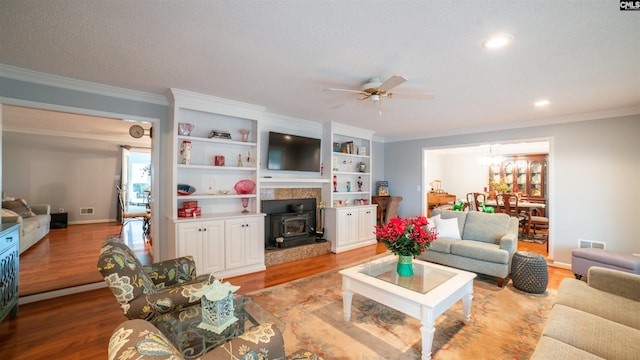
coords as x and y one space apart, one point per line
529 272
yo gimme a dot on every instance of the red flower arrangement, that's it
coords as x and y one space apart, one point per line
407 237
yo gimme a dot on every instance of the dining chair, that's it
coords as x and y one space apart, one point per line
508 204
392 208
475 201
125 217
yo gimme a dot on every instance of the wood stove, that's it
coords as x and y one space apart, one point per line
289 223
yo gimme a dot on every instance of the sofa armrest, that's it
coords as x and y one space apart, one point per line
615 282
11 219
171 272
509 241
43 209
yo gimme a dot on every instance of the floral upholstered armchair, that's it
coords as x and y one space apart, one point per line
145 291
139 339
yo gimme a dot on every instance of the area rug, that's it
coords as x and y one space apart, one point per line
505 322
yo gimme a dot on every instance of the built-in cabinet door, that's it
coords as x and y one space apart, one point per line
235 245
213 247
244 242
190 244
204 241
347 226
366 223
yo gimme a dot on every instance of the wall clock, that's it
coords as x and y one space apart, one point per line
136 131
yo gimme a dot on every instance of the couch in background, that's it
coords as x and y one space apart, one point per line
35 220
474 241
597 319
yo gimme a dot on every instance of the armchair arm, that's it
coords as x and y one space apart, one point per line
41 209
129 339
165 300
171 272
129 334
615 282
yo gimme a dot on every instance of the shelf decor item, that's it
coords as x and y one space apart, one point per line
244 133
243 187
217 306
184 129
406 238
185 189
185 152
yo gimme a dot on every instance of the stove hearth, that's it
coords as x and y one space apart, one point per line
289 223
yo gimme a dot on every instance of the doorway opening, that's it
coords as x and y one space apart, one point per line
83 158
458 170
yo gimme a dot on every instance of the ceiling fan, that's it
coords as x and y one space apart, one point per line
376 90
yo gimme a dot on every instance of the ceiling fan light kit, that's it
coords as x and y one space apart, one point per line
376 90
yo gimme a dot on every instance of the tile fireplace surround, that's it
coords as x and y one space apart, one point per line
279 256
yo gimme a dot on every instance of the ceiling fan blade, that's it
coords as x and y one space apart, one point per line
392 82
347 90
411 95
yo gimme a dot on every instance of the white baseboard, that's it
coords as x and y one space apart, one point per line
62 292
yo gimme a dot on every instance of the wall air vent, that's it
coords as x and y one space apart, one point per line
87 211
591 244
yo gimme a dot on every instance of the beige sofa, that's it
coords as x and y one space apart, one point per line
598 319
485 244
32 228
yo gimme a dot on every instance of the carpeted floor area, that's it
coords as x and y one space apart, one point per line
505 323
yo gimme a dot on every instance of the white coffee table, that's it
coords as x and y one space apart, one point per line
426 295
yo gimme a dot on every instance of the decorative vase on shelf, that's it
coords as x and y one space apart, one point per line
185 152
405 265
244 134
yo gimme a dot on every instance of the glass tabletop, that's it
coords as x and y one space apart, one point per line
424 279
181 327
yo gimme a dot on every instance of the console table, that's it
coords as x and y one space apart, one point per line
9 258
436 199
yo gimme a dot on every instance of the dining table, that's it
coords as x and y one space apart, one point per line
526 206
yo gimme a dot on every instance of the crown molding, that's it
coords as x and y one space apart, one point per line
31 76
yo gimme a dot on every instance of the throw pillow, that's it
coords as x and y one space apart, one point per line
431 222
448 228
7 212
19 206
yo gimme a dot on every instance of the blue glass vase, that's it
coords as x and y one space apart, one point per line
405 265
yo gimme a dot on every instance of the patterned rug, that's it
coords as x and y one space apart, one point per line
505 323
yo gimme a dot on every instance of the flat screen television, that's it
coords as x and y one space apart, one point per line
293 153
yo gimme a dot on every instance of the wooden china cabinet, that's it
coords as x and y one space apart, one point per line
525 174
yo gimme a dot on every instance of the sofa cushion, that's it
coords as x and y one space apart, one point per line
593 334
550 348
442 245
486 227
480 251
19 206
29 225
578 295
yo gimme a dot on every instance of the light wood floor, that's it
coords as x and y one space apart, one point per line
79 326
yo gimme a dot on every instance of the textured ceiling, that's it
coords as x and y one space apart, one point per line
281 54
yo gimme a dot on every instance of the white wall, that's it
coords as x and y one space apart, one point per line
594 168
64 176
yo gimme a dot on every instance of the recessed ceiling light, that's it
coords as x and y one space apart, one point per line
497 41
542 103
